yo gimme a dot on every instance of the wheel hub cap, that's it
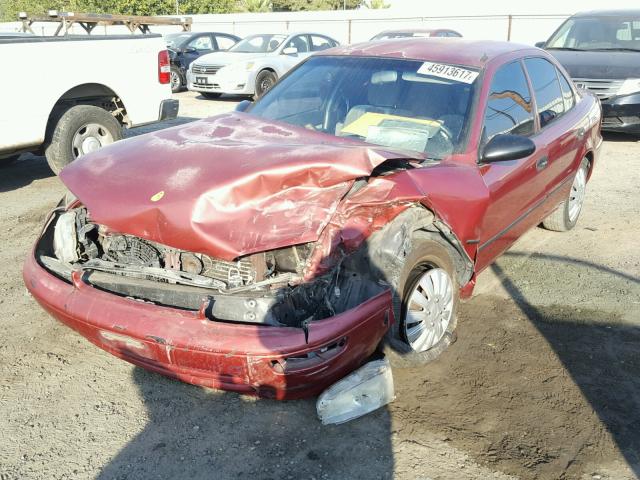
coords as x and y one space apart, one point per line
429 309
576 197
89 138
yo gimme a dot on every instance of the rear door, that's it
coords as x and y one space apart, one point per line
560 131
515 187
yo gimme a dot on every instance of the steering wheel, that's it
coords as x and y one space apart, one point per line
332 110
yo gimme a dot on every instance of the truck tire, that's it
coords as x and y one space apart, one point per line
177 83
265 80
425 302
566 216
80 130
210 95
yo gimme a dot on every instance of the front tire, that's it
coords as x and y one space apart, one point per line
177 83
80 130
566 216
425 305
265 80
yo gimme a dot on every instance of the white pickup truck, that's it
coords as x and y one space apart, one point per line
67 96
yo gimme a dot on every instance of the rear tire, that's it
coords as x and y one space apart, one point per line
80 130
426 257
177 84
210 95
265 80
566 216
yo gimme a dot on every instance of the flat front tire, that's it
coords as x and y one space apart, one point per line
566 216
425 305
80 130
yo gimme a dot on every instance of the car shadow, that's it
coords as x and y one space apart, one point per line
620 137
601 357
23 172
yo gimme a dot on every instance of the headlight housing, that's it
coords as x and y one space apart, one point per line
630 85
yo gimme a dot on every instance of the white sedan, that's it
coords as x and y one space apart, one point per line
253 65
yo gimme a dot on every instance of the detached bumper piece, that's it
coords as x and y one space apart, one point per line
361 392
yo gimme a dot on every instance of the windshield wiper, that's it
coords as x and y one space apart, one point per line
570 49
615 49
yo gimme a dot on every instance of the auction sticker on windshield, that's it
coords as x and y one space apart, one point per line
449 72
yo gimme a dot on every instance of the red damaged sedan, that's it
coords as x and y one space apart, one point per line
272 251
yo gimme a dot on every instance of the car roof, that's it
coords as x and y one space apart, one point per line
608 13
458 51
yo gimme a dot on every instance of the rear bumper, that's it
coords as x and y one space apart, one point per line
273 362
168 109
622 114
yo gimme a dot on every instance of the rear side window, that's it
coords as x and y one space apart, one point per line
225 43
567 94
546 88
509 108
319 43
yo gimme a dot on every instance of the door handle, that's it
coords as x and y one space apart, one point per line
542 163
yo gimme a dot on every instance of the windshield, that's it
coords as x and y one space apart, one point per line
410 105
258 44
174 40
598 33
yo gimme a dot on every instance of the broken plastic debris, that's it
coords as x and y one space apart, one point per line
363 391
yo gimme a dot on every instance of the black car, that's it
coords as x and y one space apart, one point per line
185 47
601 52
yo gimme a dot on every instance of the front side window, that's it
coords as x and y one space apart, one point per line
300 43
509 106
201 43
546 88
258 44
395 103
606 32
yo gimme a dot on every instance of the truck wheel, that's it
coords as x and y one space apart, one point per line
176 80
566 215
80 130
425 306
264 81
210 95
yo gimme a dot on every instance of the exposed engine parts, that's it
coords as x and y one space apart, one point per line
263 288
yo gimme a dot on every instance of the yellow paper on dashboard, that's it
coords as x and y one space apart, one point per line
360 126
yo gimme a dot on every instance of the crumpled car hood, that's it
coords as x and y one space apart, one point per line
225 186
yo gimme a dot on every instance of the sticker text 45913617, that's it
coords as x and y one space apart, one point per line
449 72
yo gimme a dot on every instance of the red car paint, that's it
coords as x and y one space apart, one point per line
234 184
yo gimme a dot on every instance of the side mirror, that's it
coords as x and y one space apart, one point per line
540 44
189 50
502 148
290 51
243 106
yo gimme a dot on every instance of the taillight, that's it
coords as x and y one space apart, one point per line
164 68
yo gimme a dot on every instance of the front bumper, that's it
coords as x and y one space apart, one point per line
622 114
236 84
272 362
168 109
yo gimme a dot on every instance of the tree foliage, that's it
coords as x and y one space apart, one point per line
255 6
9 8
375 4
296 5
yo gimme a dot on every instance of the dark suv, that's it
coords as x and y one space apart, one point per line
601 52
185 47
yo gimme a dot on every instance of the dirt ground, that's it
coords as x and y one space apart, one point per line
543 382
